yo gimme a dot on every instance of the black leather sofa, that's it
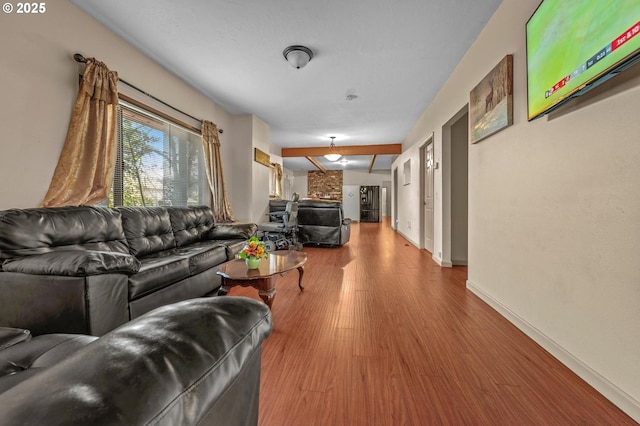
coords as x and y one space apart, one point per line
193 362
320 223
90 269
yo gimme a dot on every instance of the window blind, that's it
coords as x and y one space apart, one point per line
158 163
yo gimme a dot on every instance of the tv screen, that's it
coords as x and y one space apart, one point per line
572 44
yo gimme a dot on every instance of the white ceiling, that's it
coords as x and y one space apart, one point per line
394 55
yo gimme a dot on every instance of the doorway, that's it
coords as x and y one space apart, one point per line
427 167
455 186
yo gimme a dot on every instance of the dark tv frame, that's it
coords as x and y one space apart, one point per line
605 75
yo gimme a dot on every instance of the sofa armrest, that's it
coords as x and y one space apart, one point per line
45 304
10 336
73 263
227 231
346 221
193 362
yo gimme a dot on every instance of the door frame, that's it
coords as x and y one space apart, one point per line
444 257
424 220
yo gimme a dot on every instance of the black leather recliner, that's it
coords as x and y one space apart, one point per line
193 362
320 222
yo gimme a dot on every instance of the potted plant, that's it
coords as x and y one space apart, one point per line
253 252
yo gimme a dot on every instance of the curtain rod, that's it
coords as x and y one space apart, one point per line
79 58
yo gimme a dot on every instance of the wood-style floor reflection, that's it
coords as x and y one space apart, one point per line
382 335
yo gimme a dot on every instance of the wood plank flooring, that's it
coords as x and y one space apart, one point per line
383 336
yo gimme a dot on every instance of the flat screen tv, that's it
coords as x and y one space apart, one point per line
573 45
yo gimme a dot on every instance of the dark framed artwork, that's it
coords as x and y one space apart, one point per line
491 102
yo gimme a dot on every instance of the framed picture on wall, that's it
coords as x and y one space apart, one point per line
491 102
262 157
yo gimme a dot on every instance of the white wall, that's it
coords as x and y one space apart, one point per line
554 208
240 164
261 174
287 183
249 194
301 184
408 197
362 177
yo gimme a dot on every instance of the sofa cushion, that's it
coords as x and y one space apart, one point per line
147 229
190 224
25 359
235 230
73 263
233 247
158 271
203 255
220 255
25 232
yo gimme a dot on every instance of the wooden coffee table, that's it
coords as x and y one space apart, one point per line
235 272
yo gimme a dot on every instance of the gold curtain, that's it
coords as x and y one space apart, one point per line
211 144
86 165
277 180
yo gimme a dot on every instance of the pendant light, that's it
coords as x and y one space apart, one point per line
332 155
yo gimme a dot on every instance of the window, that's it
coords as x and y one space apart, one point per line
159 163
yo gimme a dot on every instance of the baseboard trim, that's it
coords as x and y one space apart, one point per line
610 391
443 263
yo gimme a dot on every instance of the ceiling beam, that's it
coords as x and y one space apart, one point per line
394 148
315 163
373 160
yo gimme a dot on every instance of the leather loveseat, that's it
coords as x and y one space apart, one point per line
90 269
193 362
320 223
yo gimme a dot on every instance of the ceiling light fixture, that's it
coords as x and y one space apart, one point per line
298 56
332 155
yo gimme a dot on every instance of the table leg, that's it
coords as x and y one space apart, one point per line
301 273
267 296
224 289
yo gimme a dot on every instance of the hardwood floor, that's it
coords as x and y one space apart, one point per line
383 336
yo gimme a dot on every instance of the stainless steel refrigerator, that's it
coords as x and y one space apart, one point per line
369 204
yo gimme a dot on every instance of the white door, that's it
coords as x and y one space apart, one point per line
351 201
428 197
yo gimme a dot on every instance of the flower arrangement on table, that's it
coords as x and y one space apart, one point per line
252 252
